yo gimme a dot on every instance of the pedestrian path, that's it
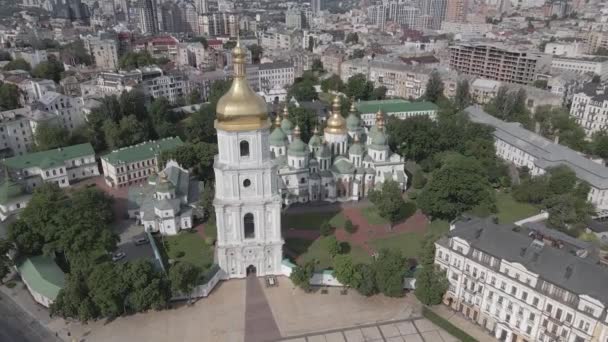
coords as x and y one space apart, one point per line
260 325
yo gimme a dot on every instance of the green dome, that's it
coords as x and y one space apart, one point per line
163 184
315 140
278 137
10 190
286 125
356 149
378 138
353 122
323 152
297 147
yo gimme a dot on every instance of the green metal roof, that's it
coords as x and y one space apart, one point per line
297 148
50 158
10 190
356 149
278 137
146 150
43 275
393 106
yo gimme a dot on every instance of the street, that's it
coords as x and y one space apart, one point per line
17 325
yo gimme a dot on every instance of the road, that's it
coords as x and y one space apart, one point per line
17 325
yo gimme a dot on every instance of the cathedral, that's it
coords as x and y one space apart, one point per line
343 164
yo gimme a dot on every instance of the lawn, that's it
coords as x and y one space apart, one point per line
373 218
188 246
410 243
308 250
509 210
312 221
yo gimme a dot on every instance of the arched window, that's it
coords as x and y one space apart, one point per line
249 226
244 148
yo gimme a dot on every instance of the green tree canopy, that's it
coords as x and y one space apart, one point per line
389 201
9 96
352 38
332 83
463 95
300 275
364 280
303 90
5 262
434 87
184 277
199 126
344 269
49 136
18 64
218 89
389 269
133 60
50 70
198 156
431 284
359 87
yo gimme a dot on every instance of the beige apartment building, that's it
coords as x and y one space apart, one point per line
456 11
497 63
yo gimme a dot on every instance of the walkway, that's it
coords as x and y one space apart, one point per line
464 324
260 325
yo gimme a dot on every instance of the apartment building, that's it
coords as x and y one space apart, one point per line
497 63
332 59
524 148
17 128
172 86
104 52
33 57
597 65
590 108
134 164
68 109
456 11
595 40
277 74
218 24
519 287
400 109
62 166
279 40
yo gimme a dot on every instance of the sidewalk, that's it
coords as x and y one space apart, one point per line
463 324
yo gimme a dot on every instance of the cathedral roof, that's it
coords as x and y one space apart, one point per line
278 137
356 148
297 146
336 123
323 151
353 122
343 166
315 140
286 124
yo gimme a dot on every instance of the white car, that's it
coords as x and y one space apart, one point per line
118 256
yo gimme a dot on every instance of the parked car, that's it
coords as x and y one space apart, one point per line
141 241
118 256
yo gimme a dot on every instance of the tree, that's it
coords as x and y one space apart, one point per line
349 227
148 288
18 64
566 211
198 157
434 87
325 229
334 82
256 53
107 289
352 37
599 144
415 138
49 136
388 201
364 280
300 275
75 53
317 65
9 96
50 70
306 119
541 84
390 269
431 284
133 60
358 53
331 245
229 45
379 93
5 262
303 91
344 269
127 132
199 127
459 185
463 95
163 118
184 277
359 87
194 97
5 56
418 180
73 300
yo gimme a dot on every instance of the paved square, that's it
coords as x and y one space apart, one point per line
354 335
335 337
371 333
389 330
406 328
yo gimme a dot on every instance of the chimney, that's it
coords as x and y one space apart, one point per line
556 139
537 127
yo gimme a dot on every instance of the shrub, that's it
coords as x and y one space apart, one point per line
11 284
210 240
180 254
325 229
350 227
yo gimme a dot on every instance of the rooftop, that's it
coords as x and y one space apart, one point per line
42 275
50 158
547 153
392 106
143 151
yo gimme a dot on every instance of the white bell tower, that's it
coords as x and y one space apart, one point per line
247 201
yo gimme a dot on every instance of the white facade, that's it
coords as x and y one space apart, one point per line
523 290
33 57
273 75
104 53
566 49
68 109
595 65
590 109
17 128
247 204
172 87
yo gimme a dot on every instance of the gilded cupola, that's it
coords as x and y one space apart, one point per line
241 109
336 123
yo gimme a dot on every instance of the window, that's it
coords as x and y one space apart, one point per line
244 145
524 296
535 301
549 308
246 183
568 317
531 317
249 226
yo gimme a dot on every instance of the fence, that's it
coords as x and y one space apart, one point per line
208 283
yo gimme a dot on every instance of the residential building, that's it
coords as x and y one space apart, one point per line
483 91
42 277
590 108
332 59
432 13
524 148
566 84
148 15
456 11
595 40
33 57
519 287
597 65
165 204
279 40
277 74
496 63
315 6
17 128
218 24
172 86
104 52
397 108
202 6
194 55
67 109
62 166
134 164
13 198
159 46
566 48
294 19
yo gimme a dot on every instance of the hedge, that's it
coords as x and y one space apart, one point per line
446 325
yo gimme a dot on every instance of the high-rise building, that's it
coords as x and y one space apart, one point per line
248 205
148 16
315 5
456 11
435 9
202 6
294 18
398 12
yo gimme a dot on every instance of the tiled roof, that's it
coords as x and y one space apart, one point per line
50 158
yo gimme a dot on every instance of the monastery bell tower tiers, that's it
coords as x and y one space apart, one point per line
247 201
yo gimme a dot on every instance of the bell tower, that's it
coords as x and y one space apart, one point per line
247 201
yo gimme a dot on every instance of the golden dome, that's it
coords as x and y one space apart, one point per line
336 123
241 109
277 121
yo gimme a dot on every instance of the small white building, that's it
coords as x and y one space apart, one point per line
42 277
13 198
166 203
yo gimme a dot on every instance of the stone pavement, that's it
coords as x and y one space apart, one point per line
464 324
259 321
418 330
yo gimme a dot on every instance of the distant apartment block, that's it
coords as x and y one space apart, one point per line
68 109
590 109
33 57
278 74
496 63
62 166
134 164
597 65
17 128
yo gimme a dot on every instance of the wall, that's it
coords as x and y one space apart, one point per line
205 289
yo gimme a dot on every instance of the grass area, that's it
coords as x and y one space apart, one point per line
211 229
509 210
308 250
313 221
188 246
409 244
373 218
447 326
439 227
